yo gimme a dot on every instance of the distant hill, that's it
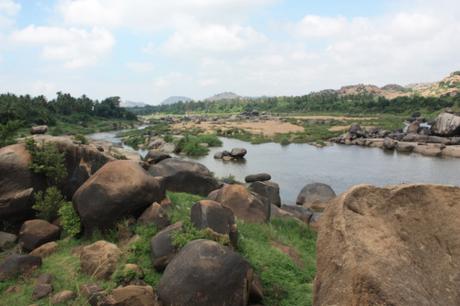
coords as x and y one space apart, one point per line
132 104
175 99
224 96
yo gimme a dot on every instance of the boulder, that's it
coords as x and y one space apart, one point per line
155 214
268 191
156 156
162 249
446 125
244 204
185 176
39 129
41 290
99 259
389 144
277 212
413 127
415 138
15 265
36 232
302 213
17 184
429 149
133 296
206 273
315 196
119 189
7 240
220 219
168 148
156 144
221 154
257 177
63 297
390 246
405 147
238 152
45 249
451 151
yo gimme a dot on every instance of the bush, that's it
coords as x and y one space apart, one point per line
69 219
47 204
8 132
47 160
81 138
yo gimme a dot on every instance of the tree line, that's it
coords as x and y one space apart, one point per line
328 101
30 110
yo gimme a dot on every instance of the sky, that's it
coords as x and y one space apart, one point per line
147 50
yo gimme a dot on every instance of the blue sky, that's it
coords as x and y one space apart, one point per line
146 50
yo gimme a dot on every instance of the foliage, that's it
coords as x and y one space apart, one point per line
69 219
81 138
47 160
8 132
47 204
192 145
190 233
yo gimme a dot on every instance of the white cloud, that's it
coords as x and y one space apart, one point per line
74 47
8 10
318 26
140 67
195 37
43 88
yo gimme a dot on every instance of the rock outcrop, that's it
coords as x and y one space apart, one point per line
185 176
119 189
244 204
206 273
390 246
446 124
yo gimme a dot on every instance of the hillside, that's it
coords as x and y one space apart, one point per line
223 96
175 99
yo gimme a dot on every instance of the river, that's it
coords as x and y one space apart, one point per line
339 166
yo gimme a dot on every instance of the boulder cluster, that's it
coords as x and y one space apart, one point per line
234 154
438 138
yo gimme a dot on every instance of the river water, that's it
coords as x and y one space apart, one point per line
339 166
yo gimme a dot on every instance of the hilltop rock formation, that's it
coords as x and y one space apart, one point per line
119 189
390 246
185 176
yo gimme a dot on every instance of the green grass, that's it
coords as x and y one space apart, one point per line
191 144
285 281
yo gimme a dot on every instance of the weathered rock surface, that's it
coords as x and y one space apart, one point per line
390 246
133 296
162 249
45 249
257 177
119 189
185 176
63 297
99 259
269 191
39 129
238 152
206 273
446 125
15 265
451 151
36 232
315 196
155 214
244 204
7 240
156 156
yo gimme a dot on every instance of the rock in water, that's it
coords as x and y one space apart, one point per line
244 204
36 232
316 194
390 246
119 189
185 176
259 177
238 152
446 125
205 273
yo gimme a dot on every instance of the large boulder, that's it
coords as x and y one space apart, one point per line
244 204
15 265
162 249
446 125
211 214
390 246
17 184
119 189
34 233
315 196
269 191
185 176
206 273
99 259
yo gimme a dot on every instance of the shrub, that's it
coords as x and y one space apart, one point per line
47 160
47 204
8 132
81 138
69 219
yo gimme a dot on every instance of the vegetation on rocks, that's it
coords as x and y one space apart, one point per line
48 203
47 160
192 145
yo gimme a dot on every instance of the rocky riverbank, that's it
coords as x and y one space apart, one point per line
441 139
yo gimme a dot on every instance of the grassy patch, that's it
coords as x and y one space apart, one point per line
192 145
